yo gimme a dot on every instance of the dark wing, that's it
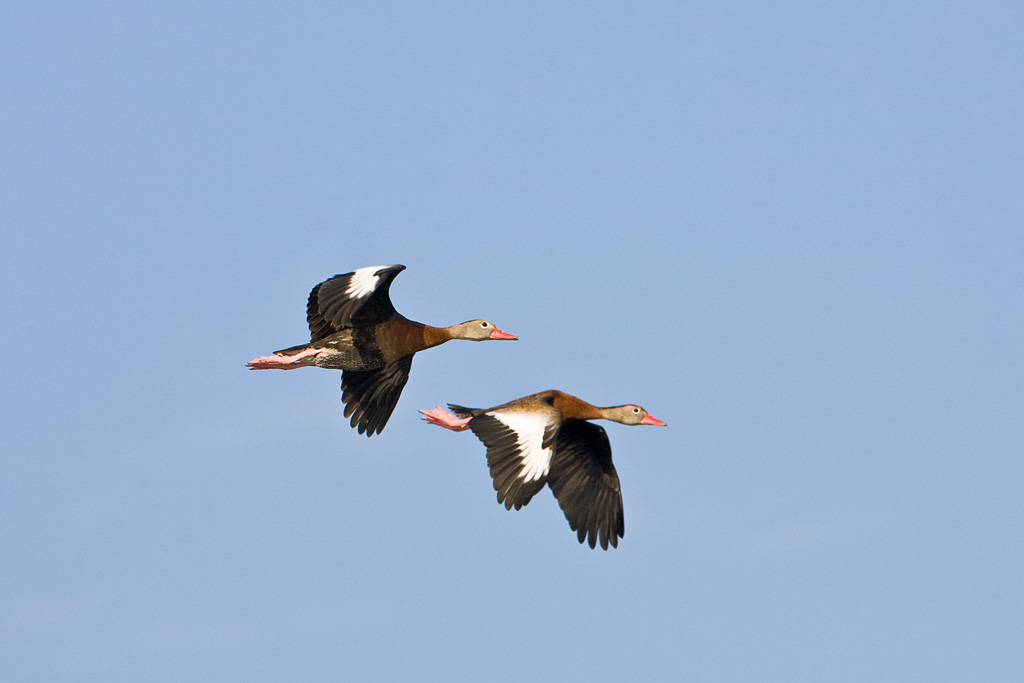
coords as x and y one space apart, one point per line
357 299
519 449
370 396
586 485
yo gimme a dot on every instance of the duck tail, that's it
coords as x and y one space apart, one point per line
291 350
463 411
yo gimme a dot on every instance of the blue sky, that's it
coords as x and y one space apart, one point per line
791 230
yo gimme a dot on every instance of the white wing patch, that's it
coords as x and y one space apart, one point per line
363 281
530 429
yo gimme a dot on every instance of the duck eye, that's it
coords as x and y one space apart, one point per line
483 324
636 410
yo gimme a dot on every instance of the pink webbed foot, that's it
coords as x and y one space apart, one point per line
283 362
442 418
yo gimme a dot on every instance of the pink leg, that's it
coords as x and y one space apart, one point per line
282 362
442 418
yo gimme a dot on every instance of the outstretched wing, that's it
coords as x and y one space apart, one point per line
370 396
586 485
519 448
357 299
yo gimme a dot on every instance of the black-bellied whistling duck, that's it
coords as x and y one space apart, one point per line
354 328
545 439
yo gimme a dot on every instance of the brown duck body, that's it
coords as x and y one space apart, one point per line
371 348
569 406
572 408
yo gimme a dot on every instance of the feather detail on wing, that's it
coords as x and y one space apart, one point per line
586 484
357 299
519 449
370 396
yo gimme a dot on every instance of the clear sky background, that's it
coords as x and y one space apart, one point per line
792 230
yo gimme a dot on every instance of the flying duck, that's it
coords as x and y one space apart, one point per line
546 438
354 328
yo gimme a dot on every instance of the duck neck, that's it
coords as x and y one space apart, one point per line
577 407
435 336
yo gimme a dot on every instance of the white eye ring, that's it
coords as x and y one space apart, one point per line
483 324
